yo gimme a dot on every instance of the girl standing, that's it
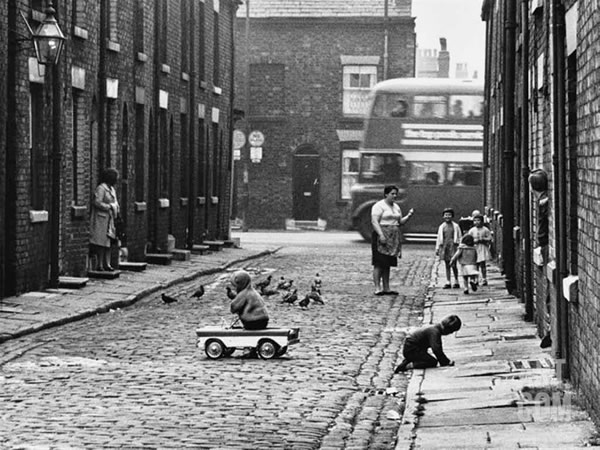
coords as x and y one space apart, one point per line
482 238
448 238
466 256
105 209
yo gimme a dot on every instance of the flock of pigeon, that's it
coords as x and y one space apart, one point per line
289 291
286 288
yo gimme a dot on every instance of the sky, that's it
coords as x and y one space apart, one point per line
459 21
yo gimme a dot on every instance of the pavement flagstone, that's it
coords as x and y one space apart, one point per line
502 392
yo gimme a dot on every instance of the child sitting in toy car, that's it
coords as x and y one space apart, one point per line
248 303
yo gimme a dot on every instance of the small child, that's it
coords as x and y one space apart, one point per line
466 255
448 238
482 238
248 303
417 344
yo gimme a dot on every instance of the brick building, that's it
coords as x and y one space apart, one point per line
143 86
542 172
303 72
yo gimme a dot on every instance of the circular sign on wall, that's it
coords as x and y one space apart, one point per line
239 139
256 139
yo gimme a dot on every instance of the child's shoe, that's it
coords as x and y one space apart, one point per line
456 286
484 282
446 286
474 286
466 291
402 367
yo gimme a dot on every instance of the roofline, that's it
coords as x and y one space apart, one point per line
330 19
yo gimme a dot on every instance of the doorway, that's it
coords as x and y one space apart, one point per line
306 183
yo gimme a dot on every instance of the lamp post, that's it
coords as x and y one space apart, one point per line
48 40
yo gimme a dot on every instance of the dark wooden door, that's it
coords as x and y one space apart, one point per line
306 183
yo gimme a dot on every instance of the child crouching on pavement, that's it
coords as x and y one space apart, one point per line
248 303
417 344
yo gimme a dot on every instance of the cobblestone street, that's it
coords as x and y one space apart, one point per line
135 378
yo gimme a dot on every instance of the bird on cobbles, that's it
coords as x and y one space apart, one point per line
290 297
199 292
285 284
315 297
316 284
168 299
230 294
264 283
304 302
266 292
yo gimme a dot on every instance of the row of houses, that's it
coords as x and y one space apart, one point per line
541 156
144 86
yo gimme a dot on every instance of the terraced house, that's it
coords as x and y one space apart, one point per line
543 177
144 86
303 74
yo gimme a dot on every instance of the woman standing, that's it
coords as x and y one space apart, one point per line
105 209
386 241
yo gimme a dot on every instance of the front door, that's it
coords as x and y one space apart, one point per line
306 183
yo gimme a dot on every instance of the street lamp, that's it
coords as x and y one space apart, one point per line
48 39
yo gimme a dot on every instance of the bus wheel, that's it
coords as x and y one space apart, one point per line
364 226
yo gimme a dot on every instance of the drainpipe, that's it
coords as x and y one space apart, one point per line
509 138
487 18
386 38
191 128
560 181
102 87
525 169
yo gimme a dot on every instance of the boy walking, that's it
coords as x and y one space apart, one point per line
417 344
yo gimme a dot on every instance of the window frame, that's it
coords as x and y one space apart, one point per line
349 91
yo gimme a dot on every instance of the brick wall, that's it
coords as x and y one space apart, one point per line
3 101
125 127
582 183
298 87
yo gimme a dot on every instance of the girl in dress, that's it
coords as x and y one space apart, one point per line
482 238
466 256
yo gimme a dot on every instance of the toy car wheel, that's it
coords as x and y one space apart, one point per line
267 349
282 351
214 349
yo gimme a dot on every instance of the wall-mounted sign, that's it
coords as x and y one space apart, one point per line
239 139
256 138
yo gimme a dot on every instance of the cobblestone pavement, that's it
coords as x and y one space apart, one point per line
134 378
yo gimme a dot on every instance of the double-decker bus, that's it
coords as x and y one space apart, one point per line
424 135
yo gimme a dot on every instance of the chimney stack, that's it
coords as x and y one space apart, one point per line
443 60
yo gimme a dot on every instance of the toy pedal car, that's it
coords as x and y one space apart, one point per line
269 343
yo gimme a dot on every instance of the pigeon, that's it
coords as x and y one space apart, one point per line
290 297
264 283
304 302
316 284
313 288
268 292
285 285
168 299
315 297
230 294
281 283
199 293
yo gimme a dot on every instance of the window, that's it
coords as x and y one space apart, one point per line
350 158
430 106
184 178
201 42
216 50
466 106
357 83
140 153
38 160
138 31
185 32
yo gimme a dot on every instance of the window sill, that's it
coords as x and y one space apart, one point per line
80 33
113 46
141 57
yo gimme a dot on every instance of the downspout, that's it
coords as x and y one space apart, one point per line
486 17
156 125
525 169
191 129
559 162
508 153
386 37
236 4
102 86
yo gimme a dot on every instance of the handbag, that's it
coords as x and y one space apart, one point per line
120 228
